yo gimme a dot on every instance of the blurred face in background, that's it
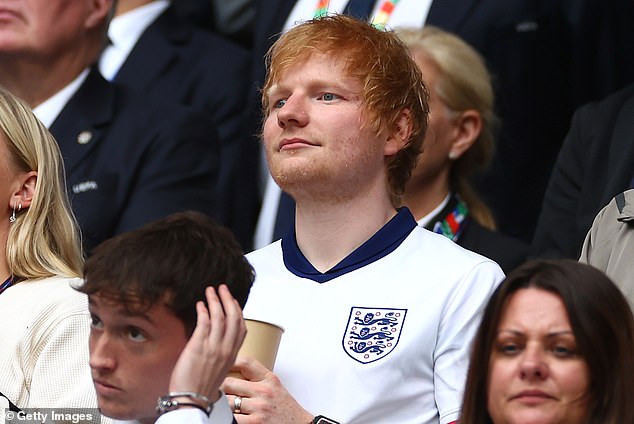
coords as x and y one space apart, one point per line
442 129
45 28
536 374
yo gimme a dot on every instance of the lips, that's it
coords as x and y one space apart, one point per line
532 396
104 388
6 14
294 143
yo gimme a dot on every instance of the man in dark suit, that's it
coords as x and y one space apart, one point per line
595 164
179 63
231 19
129 160
546 59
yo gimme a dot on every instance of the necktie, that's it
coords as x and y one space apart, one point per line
359 9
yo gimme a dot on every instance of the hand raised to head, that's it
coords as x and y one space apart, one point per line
212 348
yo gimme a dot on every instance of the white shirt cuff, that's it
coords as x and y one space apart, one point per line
221 414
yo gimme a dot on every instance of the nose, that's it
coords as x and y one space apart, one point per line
102 352
533 365
292 113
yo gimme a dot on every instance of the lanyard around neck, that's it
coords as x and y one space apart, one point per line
322 8
453 224
379 21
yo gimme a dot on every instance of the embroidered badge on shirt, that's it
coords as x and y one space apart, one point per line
85 186
372 333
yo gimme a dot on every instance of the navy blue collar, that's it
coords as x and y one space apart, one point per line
382 243
7 283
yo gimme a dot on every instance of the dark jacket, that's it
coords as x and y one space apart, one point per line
508 252
174 61
595 164
130 160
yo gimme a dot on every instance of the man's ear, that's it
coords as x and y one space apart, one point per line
24 195
400 134
468 126
98 13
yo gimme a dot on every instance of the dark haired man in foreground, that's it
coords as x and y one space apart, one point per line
155 347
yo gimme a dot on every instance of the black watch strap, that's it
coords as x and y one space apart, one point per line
320 419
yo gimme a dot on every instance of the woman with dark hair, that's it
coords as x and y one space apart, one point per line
556 345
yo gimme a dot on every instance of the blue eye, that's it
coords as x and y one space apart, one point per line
279 104
328 97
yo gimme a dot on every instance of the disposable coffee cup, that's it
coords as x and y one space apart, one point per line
261 343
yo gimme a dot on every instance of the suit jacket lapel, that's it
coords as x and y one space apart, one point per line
272 15
81 123
450 14
154 51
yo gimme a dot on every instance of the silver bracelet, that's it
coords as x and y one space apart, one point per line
192 395
169 403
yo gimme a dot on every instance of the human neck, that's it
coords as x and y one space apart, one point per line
125 6
326 233
4 266
4 272
424 195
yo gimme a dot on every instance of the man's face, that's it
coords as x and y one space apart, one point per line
44 27
316 139
132 356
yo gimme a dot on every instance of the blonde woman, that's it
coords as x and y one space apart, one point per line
45 325
458 143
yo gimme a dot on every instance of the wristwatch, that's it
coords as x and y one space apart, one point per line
320 419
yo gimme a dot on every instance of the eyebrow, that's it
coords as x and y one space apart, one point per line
125 312
549 335
321 84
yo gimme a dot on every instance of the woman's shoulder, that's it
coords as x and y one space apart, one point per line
42 309
44 293
56 285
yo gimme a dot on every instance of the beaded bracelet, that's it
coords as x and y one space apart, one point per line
169 403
